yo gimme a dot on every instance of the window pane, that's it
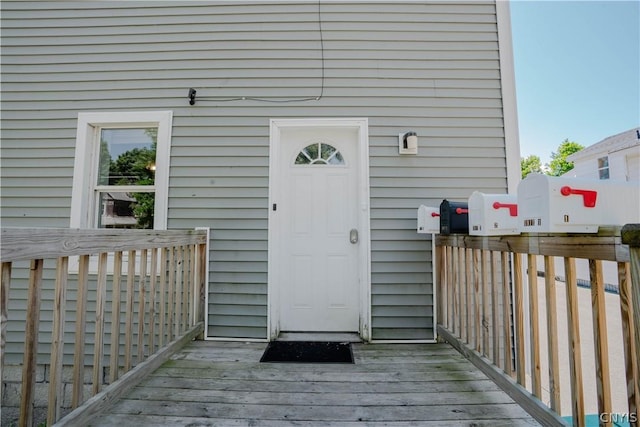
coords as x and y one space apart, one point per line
604 173
319 154
603 162
302 159
311 151
127 156
125 210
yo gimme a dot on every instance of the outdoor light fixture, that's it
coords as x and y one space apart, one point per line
408 143
192 96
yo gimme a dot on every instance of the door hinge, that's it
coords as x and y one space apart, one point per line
275 206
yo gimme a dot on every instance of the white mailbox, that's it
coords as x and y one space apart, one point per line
549 204
428 220
493 214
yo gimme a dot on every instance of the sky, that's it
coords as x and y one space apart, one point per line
577 68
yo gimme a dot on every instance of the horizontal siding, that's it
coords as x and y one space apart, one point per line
428 67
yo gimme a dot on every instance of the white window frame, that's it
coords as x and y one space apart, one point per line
83 196
601 169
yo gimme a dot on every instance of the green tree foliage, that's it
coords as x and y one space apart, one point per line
137 167
530 164
132 167
559 164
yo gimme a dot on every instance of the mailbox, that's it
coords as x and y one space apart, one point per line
454 217
428 220
549 204
493 214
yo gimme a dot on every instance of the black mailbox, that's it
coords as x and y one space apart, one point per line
454 217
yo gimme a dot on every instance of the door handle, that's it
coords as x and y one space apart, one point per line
353 236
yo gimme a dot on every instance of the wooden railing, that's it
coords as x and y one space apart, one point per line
147 291
493 309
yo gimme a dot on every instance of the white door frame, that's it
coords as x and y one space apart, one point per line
364 230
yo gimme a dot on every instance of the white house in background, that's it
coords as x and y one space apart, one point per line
616 157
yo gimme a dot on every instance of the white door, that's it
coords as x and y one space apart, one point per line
315 210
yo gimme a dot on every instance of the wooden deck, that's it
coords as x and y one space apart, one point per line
223 384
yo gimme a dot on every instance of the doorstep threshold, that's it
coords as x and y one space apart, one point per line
320 336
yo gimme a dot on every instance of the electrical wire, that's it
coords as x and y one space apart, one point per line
285 100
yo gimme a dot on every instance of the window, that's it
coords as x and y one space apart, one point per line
603 167
319 154
121 170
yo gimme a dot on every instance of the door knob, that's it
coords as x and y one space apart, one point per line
353 236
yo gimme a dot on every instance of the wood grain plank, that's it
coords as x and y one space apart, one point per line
163 285
153 279
407 384
477 306
190 421
81 325
442 278
128 328
575 354
626 314
98 349
362 387
519 318
30 243
202 281
87 413
534 325
603 379
468 287
631 237
31 343
486 322
506 314
552 333
5 284
171 293
455 292
56 386
284 397
450 412
114 357
186 283
142 308
447 303
495 309
605 245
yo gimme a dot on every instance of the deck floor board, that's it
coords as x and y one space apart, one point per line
219 383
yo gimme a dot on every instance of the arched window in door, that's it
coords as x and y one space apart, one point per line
319 154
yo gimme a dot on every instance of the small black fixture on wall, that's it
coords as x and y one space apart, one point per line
192 96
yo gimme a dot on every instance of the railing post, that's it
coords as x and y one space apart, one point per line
630 234
201 284
31 343
519 319
56 386
4 312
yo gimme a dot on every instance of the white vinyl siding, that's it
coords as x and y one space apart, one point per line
432 68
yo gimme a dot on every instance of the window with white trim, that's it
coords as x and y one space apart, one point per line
603 167
121 170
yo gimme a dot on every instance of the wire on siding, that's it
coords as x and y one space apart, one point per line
192 92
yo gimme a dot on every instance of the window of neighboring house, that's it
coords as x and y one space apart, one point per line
603 167
121 170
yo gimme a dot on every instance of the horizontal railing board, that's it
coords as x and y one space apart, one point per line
605 245
35 243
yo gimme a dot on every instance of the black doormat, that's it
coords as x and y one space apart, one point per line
308 352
